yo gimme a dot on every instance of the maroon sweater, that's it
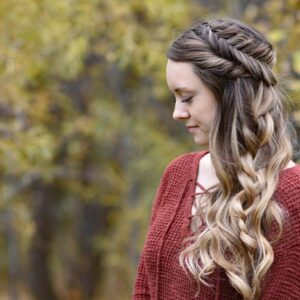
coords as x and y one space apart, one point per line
159 275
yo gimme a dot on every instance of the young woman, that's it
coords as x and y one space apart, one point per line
225 222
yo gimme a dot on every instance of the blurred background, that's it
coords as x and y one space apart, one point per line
86 130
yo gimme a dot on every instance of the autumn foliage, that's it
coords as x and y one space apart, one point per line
86 131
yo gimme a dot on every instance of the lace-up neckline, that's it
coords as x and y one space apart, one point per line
202 191
196 190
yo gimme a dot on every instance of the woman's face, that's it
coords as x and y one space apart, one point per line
195 104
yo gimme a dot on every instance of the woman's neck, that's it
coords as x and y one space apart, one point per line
206 173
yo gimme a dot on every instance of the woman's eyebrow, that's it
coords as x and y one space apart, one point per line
179 90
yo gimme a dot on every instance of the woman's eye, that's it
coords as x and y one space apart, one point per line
187 99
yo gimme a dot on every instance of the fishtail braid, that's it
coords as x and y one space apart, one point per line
233 47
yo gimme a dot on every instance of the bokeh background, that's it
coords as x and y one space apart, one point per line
86 130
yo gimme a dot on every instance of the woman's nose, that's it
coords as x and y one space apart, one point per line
180 113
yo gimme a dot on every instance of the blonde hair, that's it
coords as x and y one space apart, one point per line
249 145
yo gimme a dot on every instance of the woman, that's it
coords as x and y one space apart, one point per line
225 222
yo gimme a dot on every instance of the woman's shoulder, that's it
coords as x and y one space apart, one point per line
289 182
181 168
185 161
288 196
288 191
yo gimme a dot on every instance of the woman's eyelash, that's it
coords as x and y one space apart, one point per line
184 100
188 99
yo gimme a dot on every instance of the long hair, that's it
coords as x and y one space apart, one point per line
249 145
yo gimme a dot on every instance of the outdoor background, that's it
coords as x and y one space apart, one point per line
86 130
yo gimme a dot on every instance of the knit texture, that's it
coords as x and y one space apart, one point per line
159 274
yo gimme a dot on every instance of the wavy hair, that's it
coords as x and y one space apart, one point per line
249 144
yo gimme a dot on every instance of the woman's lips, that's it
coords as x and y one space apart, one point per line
191 128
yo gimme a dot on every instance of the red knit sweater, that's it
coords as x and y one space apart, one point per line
159 275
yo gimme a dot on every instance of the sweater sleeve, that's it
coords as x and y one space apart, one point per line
283 281
141 288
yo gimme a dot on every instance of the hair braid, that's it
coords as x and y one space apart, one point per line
226 44
249 145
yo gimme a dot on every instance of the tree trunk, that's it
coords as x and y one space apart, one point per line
40 250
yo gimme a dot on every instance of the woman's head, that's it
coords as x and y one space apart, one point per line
234 61
249 145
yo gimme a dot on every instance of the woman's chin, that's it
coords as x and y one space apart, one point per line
201 140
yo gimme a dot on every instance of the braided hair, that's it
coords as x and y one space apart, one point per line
249 143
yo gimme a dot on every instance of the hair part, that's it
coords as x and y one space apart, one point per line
249 145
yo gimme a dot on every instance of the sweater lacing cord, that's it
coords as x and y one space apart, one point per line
189 214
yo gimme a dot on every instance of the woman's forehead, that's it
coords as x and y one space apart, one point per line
181 76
